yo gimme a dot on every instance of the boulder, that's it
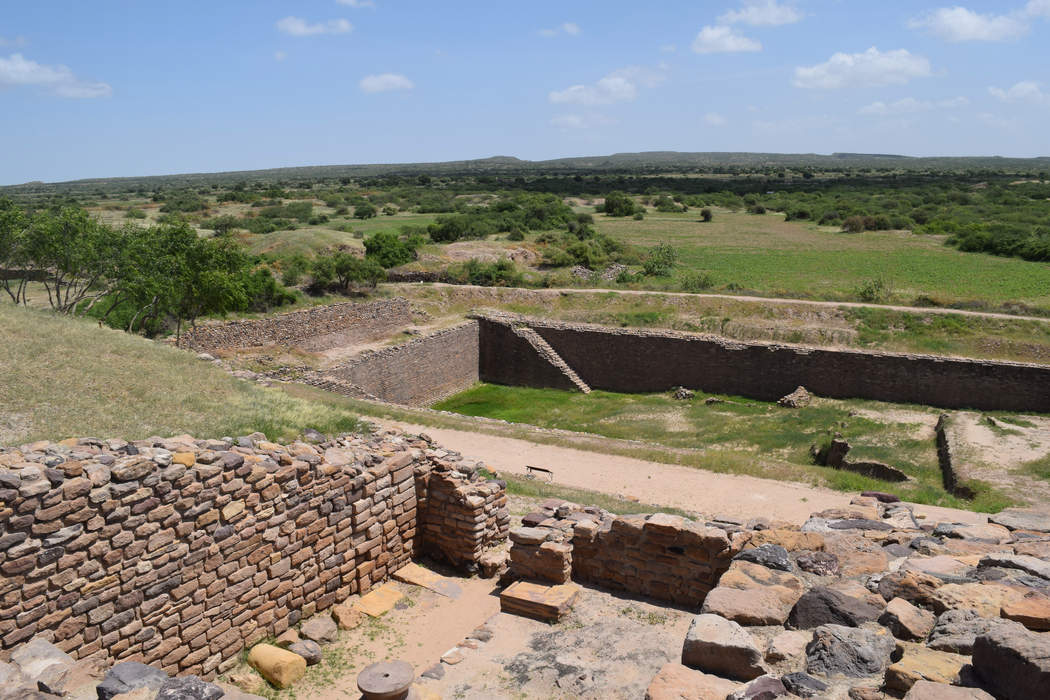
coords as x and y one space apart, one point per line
803 685
787 645
799 398
914 586
127 676
308 649
928 690
346 616
1013 662
818 563
763 688
849 651
752 594
950 569
771 556
43 665
1030 565
321 629
956 630
857 555
917 663
279 666
716 645
986 598
906 621
824 605
677 682
189 688
1032 610
1022 519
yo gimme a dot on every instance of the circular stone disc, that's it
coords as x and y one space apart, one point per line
386 679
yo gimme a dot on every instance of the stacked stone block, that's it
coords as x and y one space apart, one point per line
179 552
662 556
464 514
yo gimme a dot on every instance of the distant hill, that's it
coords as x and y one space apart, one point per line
646 162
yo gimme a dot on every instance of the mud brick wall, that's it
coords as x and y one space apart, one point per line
180 552
315 330
461 514
420 372
649 361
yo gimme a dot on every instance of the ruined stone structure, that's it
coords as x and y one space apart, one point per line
416 373
314 330
629 360
180 552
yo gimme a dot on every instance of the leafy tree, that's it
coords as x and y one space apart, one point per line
619 204
365 210
660 260
13 254
389 250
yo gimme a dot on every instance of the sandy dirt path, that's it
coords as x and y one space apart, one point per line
696 490
757 300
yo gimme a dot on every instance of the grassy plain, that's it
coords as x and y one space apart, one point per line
771 256
63 377
771 440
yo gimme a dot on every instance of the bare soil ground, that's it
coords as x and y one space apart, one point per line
652 482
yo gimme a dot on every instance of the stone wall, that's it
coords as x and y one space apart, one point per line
662 556
419 372
649 361
461 516
314 330
180 552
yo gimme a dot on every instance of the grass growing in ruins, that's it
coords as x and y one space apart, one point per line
737 431
63 377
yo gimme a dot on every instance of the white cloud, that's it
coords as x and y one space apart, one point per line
872 68
715 119
962 24
357 4
568 28
767 13
580 121
619 86
996 121
296 26
1024 91
722 39
279 55
910 105
385 82
1037 8
17 70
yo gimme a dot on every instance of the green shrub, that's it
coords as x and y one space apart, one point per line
873 291
696 281
660 260
134 213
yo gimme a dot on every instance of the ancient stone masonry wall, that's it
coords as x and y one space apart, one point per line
462 514
419 372
662 556
315 330
179 552
648 361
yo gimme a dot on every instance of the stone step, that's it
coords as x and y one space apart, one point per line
544 349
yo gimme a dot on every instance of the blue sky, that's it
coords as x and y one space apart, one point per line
137 87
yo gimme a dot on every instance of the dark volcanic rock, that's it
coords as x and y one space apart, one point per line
771 556
826 606
819 563
188 688
128 676
881 497
849 651
1014 662
956 630
803 685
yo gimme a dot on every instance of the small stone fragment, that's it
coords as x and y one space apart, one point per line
320 629
308 649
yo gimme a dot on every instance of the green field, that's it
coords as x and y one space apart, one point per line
770 256
741 435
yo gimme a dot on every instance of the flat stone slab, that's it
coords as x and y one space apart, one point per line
1022 519
377 602
546 603
418 576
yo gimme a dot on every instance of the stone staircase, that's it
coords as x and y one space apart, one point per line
543 348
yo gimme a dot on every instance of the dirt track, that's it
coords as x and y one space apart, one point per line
757 300
697 490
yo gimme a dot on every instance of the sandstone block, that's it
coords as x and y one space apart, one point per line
906 621
279 666
678 682
716 645
919 663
